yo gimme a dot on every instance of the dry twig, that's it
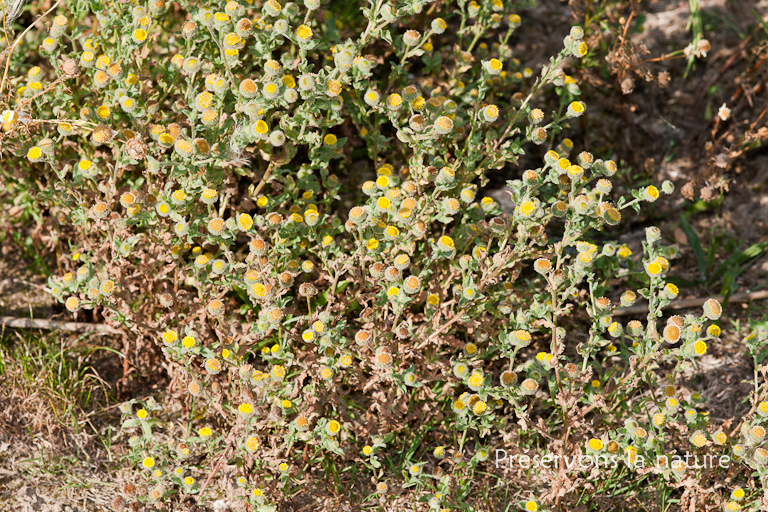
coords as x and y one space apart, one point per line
55 325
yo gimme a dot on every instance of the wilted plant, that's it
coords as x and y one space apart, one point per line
201 162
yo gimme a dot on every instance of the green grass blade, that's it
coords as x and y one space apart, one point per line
681 283
738 260
693 241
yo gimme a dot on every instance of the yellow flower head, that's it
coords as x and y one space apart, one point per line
245 221
139 35
527 208
304 32
654 269
252 444
446 242
334 427
35 153
170 337
334 87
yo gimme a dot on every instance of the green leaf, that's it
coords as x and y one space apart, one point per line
130 423
729 285
750 253
693 241
242 294
680 282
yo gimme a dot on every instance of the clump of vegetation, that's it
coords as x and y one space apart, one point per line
287 203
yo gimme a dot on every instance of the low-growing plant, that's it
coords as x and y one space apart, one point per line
289 206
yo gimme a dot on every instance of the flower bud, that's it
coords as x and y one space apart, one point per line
712 309
652 234
635 328
538 135
576 109
529 387
439 25
650 193
411 38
